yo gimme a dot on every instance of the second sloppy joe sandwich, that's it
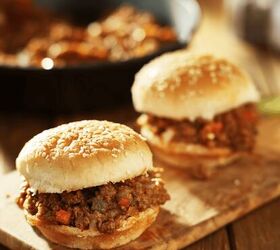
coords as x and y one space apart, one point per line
198 110
90 184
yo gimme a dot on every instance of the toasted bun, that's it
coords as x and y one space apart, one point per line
83 154
180 85
199 160
73 237
200 166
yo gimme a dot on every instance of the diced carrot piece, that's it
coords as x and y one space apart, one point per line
250 116
214 127
63 217
124 202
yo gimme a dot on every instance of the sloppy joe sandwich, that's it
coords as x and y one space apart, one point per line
89 184
198 110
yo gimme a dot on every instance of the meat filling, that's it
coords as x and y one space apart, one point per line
235 129
102 207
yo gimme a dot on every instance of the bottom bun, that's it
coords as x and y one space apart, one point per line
73 237
199 160
202 167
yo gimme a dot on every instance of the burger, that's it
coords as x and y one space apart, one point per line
89 184
198 110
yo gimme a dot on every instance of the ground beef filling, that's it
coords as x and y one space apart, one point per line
102 207
235 129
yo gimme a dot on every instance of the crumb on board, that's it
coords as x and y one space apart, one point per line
237 182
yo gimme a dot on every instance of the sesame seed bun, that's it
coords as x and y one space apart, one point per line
180 85
83 154
200 161
73 237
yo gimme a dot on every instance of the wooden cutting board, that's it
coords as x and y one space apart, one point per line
196 209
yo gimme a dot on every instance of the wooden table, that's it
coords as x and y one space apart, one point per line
258 230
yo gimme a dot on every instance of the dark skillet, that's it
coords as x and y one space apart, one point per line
92 86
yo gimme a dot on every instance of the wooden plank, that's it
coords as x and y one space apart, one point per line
258 230
14 132
197 208
217 240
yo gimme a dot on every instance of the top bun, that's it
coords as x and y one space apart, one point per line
83 154
180 85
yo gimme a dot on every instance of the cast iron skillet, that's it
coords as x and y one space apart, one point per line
97 85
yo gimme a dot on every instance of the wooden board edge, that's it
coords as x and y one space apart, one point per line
233 213
9 241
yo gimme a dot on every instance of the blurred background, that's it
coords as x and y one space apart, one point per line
64 60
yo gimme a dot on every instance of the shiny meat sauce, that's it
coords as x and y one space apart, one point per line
102 208
235 129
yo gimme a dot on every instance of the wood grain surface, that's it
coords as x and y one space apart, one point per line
196 209
218 240
248 234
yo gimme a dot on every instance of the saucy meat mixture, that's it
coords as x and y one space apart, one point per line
102 207
45 40
235 129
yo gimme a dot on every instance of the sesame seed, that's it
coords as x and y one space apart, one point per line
210 136
214 80
213 74
212 67
225 69
84 138
195 72
193 80
191 93
237 182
